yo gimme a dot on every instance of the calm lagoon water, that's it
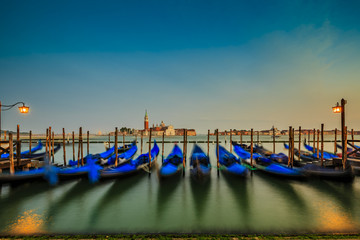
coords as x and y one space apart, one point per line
138 204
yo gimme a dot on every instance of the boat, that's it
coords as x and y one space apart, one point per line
327 155
25 154
267 165
173 164
337 174
200 167
230 164
141 163
91 168
305 156
48 172
125 156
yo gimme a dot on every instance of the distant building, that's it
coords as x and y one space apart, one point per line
146 121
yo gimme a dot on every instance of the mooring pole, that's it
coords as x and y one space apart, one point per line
30 136
251 147
293 147
82 147
150 152
87 142
208 140
79 149
225 137
184 149
73 146
289 152
53 147
300 142
217 152
258 137
352 136
335 142
11 154
141 142
116 146
317 145
109 146
322 144
46 141
64 147
345 148
231 140
123 141
343 143
241 137
162 149
18 146
314 141
49 143
273 133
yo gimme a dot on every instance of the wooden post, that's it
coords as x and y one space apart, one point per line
79 148
18 146
225 136
49 143
30 136
53 147
141 142
73 138
116 147
273 139
251 147
309 133
82 147
150 152
231 140
162 149
290 142
184 149
345 148
87 143
109 145
241 137
11 154
322 144
123 141
208 142
258 137
300 143
314 140
292 148
343 133
64 147
217 152
352 136
46 141
5 135
335 142
317 146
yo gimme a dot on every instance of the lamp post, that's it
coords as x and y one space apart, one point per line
23 109
341 109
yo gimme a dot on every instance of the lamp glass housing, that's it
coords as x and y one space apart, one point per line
24 109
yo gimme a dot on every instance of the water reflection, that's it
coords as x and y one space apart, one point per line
27 223
165 190
200 191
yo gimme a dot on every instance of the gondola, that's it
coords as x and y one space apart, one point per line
267 165
47 172
200 167
91 169
173 164
305 156
327 155
123 156
312 170
26 154
230 164
99 156
131 167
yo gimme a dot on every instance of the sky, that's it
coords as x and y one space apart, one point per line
193 64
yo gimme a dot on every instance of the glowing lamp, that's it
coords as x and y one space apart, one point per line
24 109
337 108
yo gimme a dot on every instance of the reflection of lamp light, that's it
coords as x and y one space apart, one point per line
24 109
337 108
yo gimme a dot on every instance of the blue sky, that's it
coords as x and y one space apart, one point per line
194 64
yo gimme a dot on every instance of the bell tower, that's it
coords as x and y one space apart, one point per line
146 121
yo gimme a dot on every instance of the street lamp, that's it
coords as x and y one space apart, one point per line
23 109
341 109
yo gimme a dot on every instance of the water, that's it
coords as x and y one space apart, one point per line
258 204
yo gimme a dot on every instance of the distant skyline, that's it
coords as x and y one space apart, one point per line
193 64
